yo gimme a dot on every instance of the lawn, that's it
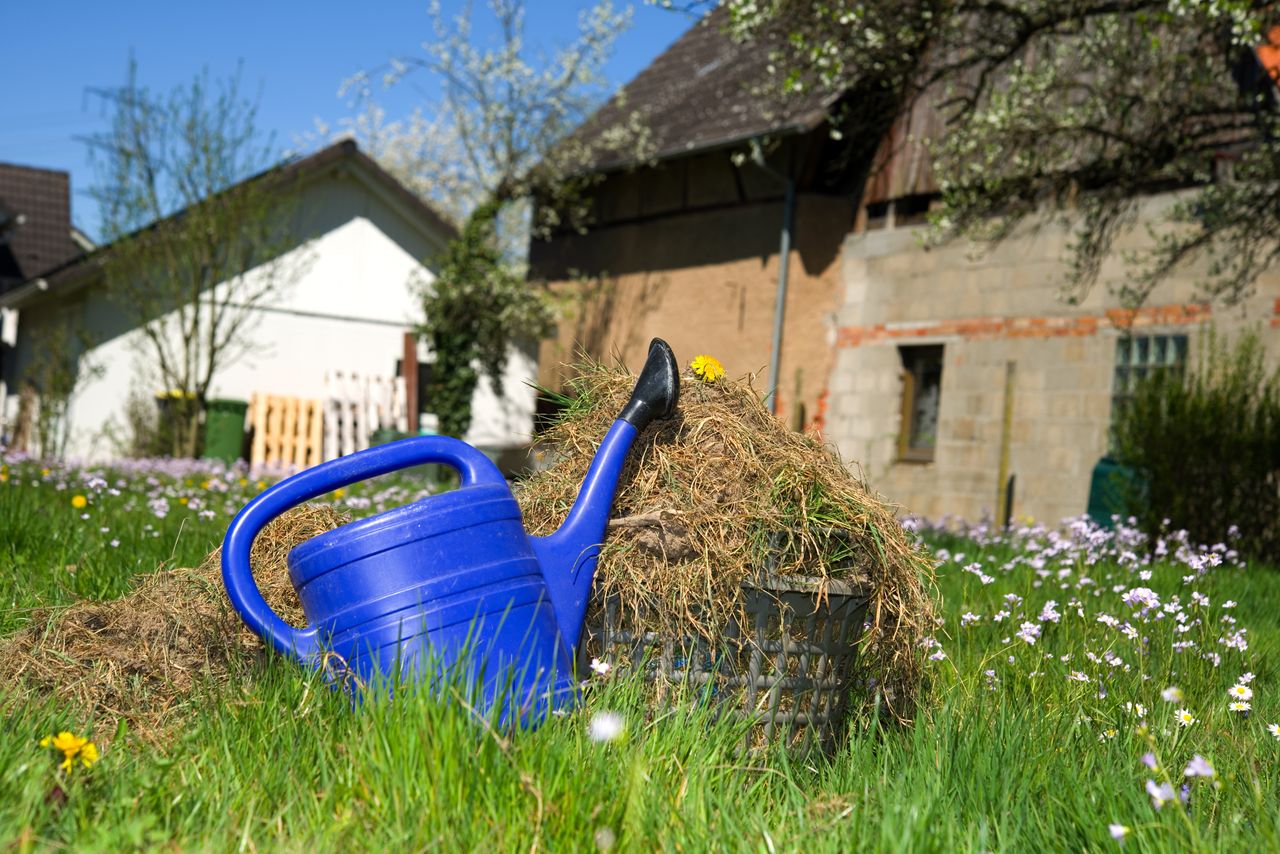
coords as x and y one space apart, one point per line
1079 691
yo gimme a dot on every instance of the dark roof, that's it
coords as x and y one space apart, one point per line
35 222
705 91
76 267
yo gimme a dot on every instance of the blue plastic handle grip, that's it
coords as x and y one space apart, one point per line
303 644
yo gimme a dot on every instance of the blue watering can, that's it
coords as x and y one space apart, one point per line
451 581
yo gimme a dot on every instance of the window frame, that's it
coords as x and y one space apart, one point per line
911 357
1125 375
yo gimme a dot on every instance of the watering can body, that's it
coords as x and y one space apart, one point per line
450 587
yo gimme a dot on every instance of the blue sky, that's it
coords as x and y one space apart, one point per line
294 54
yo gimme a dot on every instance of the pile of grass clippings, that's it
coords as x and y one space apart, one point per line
719 491
138 658
707 497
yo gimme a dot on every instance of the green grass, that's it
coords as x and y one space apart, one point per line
1014 763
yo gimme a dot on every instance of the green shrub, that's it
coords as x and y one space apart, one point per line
1206 446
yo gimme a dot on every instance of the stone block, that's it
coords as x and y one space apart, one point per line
981 404
1065 405
848 405
865 381
961 428
1031 378
969 456
1030 404
1066 378
1097 406
1074 350
841 382
1063 460
990 431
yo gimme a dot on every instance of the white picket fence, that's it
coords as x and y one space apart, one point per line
357 406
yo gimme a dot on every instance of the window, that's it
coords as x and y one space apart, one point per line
921 393
1141 356
900 212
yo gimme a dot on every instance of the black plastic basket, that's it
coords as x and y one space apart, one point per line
790 669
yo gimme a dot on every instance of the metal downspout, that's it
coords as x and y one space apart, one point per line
780 307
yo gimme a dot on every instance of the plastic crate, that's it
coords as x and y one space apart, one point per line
790 669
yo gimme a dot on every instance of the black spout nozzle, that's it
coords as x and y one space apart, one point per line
657 390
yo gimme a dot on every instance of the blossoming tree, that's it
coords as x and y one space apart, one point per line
1067 108
495 138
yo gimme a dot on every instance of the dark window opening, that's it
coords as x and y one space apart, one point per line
546 413
900 212
877 215
913 210
921 396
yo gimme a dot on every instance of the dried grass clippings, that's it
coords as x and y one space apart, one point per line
720 491
140 657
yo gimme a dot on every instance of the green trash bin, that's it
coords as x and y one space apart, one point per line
224 429
1113 489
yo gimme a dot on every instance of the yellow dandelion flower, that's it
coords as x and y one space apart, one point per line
89 754
69 742
339 492
44 472
244 481
79 502
204 484
72 747
707 368
4 476
183 500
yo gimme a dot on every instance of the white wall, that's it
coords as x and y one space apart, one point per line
347 310
8 326
8 399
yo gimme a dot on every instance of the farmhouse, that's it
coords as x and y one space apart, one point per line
358 242
687 246
942 372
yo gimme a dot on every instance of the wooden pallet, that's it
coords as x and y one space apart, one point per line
287 431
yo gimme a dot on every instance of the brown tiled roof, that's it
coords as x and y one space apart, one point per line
35 222
703 92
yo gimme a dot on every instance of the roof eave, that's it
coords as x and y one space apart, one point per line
800 125
24 294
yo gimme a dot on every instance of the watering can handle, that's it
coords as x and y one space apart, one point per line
304 644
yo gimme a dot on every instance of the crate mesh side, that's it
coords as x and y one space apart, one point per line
790 671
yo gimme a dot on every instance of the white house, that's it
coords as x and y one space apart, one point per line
347 306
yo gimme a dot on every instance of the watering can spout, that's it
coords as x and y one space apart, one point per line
568 557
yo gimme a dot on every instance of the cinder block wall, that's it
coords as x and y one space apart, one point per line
988 310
